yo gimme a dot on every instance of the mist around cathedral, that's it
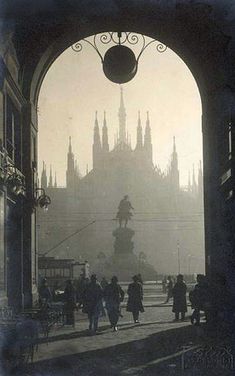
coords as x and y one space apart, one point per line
124 215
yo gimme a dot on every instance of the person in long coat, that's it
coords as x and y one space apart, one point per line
45 295
113 296
93 303
69 303
179 298
169 289
199 298
135 297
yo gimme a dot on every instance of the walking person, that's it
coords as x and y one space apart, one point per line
45 295
140 279
93 303
103 283
113 295
69 303
164 283
169 289
199 298
135 297
179 298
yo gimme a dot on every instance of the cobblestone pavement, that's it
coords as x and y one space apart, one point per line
153 348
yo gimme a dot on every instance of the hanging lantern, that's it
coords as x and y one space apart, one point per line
119 64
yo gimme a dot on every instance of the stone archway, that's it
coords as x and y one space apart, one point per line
196 32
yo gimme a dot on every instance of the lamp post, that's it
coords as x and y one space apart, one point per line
189 264
178 255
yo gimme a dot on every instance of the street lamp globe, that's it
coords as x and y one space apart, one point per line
120 64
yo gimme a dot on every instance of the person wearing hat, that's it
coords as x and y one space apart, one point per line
179 298
135 297
69 303
45 295
93 295
113 295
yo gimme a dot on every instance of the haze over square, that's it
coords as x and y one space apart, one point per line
75 87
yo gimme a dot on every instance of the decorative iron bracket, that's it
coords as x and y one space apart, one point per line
119 38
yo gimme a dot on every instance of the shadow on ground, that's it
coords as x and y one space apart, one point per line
122 359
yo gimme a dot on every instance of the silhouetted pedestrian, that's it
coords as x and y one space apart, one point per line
80 289
69 303
113 295
45 295
169 288
93 303
179 298
104 283
135 297
140 279
164 282
199 298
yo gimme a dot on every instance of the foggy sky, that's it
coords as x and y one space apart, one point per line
75 87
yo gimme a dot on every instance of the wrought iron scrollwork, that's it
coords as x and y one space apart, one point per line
120 38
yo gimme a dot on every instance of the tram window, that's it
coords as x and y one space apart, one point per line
58 272
66 273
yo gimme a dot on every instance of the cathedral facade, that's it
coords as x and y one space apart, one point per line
167 220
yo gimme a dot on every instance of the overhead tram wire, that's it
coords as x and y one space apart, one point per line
70 236
115 219
164 220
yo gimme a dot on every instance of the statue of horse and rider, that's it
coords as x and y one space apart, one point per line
124 213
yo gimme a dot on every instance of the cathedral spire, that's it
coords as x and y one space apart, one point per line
122 120
139 137
50 184
174 167
148 140
105 142
96 144
97 141
44 176
70 168
55 184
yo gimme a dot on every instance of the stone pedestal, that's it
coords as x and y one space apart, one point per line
123 244
124 263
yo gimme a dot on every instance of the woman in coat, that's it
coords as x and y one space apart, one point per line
69 303
135 297
179 298
113 296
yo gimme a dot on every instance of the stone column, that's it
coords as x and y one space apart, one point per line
29 213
